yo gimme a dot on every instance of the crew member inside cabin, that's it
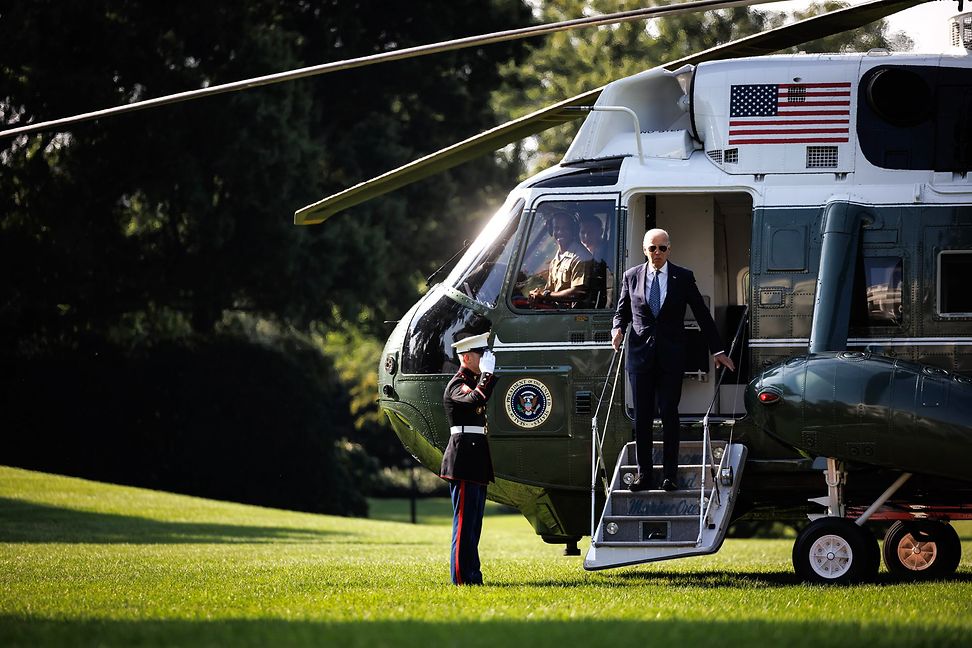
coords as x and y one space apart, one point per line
466 462
602 282
571 270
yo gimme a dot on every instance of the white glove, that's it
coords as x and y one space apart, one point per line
487 364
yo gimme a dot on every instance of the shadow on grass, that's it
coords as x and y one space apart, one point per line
621 580
27 522
721 579
17 631
751 580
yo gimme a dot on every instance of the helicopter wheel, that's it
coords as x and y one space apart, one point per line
922 550
835 551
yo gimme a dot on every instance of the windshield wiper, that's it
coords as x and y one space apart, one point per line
428 280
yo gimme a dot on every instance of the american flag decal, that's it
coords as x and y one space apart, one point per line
789 113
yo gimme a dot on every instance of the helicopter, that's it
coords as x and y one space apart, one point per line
824 205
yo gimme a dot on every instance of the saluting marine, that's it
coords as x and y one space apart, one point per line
466 462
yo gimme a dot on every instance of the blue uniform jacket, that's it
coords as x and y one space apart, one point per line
467 455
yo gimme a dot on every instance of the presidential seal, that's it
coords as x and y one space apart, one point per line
528 402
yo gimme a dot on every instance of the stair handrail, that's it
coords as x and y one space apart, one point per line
597 438
707 454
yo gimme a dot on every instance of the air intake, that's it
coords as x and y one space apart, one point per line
583 400
821 157
962 31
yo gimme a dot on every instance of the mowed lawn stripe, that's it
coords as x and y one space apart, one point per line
89 563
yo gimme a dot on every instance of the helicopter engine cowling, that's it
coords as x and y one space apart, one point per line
870 409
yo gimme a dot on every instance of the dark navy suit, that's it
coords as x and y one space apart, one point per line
656 355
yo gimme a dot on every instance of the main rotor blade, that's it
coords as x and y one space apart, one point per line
393 55
496 138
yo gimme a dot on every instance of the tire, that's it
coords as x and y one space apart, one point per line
835 551
922 550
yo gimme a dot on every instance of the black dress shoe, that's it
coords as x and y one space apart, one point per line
640 483
669 485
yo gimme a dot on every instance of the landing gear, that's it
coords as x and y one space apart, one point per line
835 551
922 550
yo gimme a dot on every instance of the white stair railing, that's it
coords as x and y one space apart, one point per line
597 438
708 458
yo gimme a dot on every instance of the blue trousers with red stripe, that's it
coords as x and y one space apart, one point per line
468 506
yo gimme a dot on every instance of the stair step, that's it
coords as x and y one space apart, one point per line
687 477
651 518
689 452
681 492
647 543
650 528
655 503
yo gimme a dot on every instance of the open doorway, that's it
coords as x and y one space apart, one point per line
711 234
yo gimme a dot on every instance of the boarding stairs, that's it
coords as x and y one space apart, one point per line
645 526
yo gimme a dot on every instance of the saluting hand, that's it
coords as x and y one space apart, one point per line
487 364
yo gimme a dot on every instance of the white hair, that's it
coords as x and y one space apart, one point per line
650 234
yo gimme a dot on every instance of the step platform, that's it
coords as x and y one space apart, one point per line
652 525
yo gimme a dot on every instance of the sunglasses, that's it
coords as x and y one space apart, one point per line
660 248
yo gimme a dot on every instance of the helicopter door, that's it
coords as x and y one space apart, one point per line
710 235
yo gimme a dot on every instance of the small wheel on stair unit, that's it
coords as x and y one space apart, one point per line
922 549
835 551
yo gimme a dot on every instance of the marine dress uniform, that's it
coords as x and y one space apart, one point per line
466 462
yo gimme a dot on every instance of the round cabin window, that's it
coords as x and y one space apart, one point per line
899 96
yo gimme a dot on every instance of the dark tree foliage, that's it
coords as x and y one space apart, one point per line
224 419
188 208
125 236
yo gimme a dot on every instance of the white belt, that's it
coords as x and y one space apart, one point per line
467 429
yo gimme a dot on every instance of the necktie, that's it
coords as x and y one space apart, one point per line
654 297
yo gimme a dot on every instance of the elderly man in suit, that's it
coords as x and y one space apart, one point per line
653 299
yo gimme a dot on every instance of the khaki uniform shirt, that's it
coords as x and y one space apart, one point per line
570 268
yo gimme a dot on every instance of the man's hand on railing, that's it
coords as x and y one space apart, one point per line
617 339
723 360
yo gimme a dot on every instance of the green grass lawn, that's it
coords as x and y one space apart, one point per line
83 563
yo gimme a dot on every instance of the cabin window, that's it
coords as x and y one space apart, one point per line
954 288
787 248
878 292
916 117
570 257
482 270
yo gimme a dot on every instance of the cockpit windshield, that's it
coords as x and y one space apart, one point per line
480 273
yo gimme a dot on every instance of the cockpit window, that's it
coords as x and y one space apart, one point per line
570 257
481 272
